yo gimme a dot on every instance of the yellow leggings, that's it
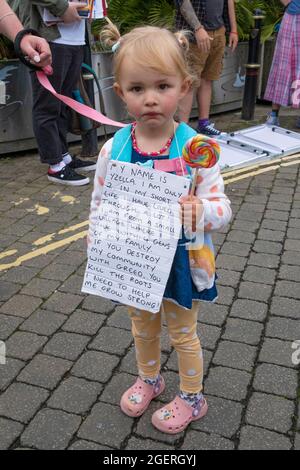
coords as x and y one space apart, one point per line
182 327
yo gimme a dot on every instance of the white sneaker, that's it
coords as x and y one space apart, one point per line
272 120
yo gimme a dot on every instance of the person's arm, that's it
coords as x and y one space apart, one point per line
285 2
188 13
233 36
9 22
216 205
37 49
209 209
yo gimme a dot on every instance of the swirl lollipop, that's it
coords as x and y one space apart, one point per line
200 152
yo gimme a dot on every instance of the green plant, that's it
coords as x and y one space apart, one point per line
273 11
128 14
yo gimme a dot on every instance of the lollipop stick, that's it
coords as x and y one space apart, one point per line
192 193
193 187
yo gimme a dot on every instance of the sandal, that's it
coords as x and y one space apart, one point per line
137 398
177 415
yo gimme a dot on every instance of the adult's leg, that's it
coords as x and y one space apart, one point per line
276 107
185 107
196 60
74 57
204 94
46 109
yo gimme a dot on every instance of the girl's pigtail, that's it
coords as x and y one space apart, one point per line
110 35
182 38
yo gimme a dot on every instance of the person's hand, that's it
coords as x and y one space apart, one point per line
71 14
233 41
203 40
191 211
38 52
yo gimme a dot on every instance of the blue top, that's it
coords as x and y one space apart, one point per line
294 7
180 287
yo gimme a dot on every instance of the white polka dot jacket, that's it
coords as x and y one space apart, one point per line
209 189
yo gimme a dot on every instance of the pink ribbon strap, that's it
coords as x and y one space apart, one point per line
173 165
78 107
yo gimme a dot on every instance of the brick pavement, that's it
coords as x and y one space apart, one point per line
69 356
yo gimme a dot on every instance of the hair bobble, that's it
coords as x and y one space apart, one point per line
182 40
116 46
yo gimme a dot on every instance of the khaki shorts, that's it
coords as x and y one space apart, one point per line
209 65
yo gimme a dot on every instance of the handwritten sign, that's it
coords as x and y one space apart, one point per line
136 231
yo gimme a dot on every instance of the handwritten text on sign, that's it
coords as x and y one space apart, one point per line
135 236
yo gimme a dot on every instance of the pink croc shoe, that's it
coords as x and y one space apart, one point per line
137 398
177 415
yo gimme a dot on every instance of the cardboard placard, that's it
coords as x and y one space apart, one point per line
135 237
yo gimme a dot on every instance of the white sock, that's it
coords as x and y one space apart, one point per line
58 167
67 158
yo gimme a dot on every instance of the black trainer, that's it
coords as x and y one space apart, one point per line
84 165
67 176
208 130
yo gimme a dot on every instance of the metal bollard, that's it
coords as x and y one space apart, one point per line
252 68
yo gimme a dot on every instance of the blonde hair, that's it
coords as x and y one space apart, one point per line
151 46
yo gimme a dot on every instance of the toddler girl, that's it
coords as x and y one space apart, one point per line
152 76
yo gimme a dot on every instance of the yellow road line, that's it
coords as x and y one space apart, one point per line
253 173
290 163
263 170
246 170
6 254
291 157
43 251
74 227
227 174
45 239
48 238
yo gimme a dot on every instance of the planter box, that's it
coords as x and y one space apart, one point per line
114 107
15 107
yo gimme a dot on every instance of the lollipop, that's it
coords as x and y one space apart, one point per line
200 152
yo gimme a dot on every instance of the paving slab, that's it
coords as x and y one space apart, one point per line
111 432
50 430
9 432
20 401
45 371
75 395
200 441
276 380
227 383
270 412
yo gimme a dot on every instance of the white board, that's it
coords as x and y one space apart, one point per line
235 155
135 237
274 140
